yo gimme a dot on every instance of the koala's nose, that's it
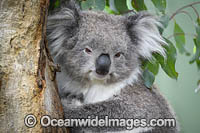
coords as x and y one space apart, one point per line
103 64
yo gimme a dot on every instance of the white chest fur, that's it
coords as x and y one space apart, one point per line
100 92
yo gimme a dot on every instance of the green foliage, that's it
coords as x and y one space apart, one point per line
160 5
150 71
179 37
198 34
151 68
108 10
169 65
121 6
139 5
164 20
196 56
148 77
93 4
54 4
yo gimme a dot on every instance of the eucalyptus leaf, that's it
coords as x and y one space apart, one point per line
198 20
168 64
196 57
164 20
179 37
148 78
169 67
121 6
197 52
198 44
198 64
112 5
198 33
110 11
93 4
139 5
153 67
160 5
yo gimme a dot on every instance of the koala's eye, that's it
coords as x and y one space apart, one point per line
88 50
118 55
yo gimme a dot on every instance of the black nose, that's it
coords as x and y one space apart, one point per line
103 64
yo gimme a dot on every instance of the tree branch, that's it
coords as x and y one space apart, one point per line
185 12
196 12
180 9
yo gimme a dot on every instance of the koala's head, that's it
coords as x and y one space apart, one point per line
95 46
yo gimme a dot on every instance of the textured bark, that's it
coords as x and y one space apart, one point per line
26 70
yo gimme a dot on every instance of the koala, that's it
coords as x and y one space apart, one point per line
100 58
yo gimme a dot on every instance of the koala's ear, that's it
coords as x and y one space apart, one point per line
62 25
143 30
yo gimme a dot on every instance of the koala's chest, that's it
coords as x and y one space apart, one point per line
98 93
94 94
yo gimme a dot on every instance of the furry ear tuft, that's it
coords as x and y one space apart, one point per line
143 30
61 27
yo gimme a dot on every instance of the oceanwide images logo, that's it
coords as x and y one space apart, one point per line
46 121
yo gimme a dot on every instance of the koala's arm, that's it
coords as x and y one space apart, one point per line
131 103
112 108
97 109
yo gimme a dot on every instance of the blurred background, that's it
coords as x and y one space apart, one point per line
180 93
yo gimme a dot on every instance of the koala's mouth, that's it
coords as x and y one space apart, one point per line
95 76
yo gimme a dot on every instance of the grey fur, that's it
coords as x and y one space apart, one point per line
70 31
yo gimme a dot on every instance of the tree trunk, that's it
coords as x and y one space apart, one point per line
26 70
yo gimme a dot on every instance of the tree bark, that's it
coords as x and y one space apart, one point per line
26 69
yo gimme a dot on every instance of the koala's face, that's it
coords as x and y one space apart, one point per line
97 47
103 51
